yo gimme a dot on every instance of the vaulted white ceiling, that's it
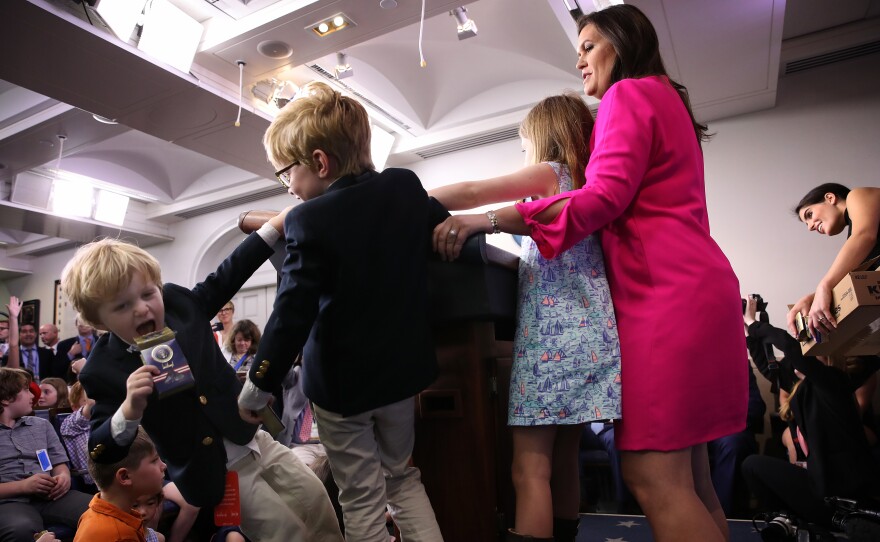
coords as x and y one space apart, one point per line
175 148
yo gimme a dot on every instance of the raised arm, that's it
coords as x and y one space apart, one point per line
537 180
13 354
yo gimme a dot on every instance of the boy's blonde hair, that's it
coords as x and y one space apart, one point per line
100 270
320 118
559 128
105 474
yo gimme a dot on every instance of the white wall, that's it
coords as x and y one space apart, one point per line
825 127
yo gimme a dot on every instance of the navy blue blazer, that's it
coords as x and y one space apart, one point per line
353 295
188 427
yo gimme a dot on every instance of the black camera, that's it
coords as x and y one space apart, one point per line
778 527
762 305
218 326
860 522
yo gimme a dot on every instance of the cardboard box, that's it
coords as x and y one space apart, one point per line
856 306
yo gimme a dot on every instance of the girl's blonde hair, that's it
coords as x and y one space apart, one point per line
559 128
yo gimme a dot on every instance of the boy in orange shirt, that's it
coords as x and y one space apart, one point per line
110 516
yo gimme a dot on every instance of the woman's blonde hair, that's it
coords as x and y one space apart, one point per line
100 270
847 364
320 118
559 128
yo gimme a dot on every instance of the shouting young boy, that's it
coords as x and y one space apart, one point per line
118 287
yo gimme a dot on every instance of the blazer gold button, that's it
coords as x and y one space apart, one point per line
99 448
203 399
264 364
207 441
260 373
93 454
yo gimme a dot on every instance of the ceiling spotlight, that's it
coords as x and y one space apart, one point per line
274 92
387 4
467 28
343 68
331 24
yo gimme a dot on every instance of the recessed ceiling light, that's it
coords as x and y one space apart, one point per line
331 24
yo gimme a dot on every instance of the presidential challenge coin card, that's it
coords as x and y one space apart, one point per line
160 349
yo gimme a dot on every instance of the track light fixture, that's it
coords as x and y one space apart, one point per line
467 28
343 68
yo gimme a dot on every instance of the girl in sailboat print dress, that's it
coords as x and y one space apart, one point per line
566 367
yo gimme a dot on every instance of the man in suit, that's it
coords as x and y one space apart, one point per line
354 297
74 351
118 287
39 361
49 337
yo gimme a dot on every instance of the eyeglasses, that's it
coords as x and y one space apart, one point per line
227 309
283 174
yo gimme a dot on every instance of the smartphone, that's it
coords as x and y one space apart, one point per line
43 458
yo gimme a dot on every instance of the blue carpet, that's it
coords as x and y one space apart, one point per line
614 528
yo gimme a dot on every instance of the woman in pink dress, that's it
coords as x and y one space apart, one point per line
676 297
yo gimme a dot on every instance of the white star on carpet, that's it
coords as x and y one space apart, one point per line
629 523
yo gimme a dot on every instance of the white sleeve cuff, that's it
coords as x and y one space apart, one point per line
269 234
252 397
123 431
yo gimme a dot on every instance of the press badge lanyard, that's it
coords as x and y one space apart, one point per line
241 361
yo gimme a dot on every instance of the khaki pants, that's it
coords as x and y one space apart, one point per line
281 499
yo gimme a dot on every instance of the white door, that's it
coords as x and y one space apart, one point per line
254 304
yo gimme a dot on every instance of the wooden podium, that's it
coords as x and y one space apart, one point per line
462 444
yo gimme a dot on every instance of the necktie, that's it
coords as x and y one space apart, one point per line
304 420
27 360
88 347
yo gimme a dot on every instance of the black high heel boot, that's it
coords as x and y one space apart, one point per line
513 536
565 530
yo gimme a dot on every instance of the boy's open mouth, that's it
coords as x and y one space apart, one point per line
147 327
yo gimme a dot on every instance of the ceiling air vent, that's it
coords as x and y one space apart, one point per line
497 136
830 58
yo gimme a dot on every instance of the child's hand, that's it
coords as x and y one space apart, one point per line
62 486
46 536
139 388
250 416
39 484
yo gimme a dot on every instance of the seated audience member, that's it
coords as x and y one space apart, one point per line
150 509
75 351
241 345
9 334
37 360
4 336
75 433
829 430
49 337
110 516
53 393
31 494
225 319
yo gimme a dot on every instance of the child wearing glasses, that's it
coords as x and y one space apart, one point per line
353 297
